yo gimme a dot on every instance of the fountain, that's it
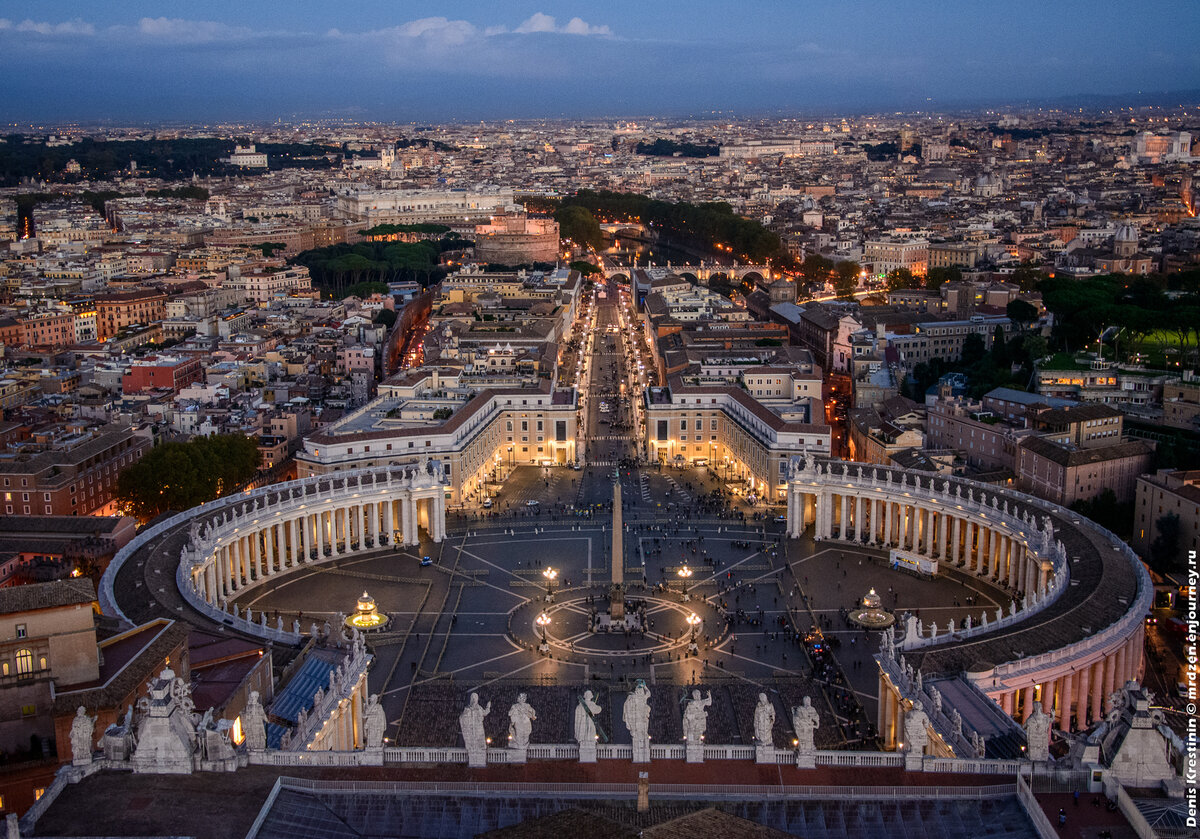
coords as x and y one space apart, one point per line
367 617
871 613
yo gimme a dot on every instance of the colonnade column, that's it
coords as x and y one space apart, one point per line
1065 692
1084 694
887 522
842 530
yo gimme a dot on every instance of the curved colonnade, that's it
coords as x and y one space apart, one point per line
240 541
1072 634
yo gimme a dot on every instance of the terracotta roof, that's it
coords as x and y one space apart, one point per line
1072 456
70 592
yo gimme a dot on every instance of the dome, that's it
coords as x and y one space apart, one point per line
1126 233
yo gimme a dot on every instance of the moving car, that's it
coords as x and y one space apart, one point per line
426 560
532 502
487 503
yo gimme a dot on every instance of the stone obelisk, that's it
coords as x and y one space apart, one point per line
616 594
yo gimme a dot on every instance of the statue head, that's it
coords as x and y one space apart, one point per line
696 694
762 699
520 698
474 699
587 694
808 702
917 706
1037 709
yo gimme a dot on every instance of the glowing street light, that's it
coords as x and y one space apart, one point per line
550 574
685 574
693 621
543 621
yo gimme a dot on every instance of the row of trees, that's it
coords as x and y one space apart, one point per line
336 268
701 225
178 476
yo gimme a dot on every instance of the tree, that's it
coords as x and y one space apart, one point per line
1027 277
585 268
845 279
942 274
579 225
1164 550
901 278
974 349
1021 312
387 317
179 476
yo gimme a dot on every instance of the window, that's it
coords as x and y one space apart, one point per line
21 630
24 660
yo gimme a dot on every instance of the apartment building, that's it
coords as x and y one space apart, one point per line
120 309
75 475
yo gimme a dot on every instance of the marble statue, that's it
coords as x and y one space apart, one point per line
805 721
254 721
374 723
82 727
585 727
1037 734
764 721
695 718
916 734
520 716
636 714
474 738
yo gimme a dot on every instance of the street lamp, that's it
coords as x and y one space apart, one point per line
685 574
549 574
693 621
543 621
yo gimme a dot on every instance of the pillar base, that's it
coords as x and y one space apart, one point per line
806 760
694 754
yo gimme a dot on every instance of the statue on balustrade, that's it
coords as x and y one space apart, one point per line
521 716
374 723
585 720
471 723
695 718
82 728
916 729
636 714
1037 734
254 722
764 721
805 720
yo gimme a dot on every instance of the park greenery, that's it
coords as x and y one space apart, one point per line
336 268
711 225
579 225
23 157
179 476
1154 314
671 148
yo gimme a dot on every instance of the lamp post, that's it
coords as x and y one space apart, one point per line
550 574
693 621
685 574
543 621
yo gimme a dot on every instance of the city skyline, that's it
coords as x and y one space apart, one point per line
463 61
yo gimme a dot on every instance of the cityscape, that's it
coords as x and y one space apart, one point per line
480 421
